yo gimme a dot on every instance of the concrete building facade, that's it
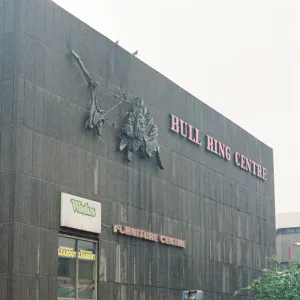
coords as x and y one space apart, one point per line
288 237
206 221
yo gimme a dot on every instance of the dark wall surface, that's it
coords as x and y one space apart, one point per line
6 150
225 214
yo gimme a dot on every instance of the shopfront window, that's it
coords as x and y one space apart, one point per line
76 269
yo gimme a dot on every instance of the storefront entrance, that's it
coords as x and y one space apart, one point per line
77 265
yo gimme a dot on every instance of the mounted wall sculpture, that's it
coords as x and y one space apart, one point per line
96 118
140 132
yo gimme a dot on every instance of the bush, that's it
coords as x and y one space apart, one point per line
278 283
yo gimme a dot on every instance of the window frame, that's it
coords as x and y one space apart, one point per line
78 238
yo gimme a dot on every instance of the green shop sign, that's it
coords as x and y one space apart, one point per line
80 213
83 208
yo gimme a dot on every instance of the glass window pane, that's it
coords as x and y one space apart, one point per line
66 268
290 230
86 270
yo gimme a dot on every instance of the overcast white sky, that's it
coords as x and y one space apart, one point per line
241 57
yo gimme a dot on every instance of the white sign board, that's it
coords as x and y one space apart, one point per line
80 213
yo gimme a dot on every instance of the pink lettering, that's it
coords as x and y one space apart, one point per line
259 171
197 136
243 162
209 143
248 164
183 128
122 229
222 150
254 167
174 123
216 146
237 158
228 153
191 138
264 174
162 239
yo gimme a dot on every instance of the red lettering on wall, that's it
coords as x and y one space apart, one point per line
216 143
228 153
209 143
186 130
237 157
125 230
191 138
222 150
243 162
248 164
174 123
122 229
133 231
194 137
254 167
197 136
183 128
213 145
162 239
218 148
264 174
259 173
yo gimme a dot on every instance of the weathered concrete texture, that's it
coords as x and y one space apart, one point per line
6 148
286 239
225 214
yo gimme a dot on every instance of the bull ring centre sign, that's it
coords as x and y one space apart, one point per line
150 236
214 146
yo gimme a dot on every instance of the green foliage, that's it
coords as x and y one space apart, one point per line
276 284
